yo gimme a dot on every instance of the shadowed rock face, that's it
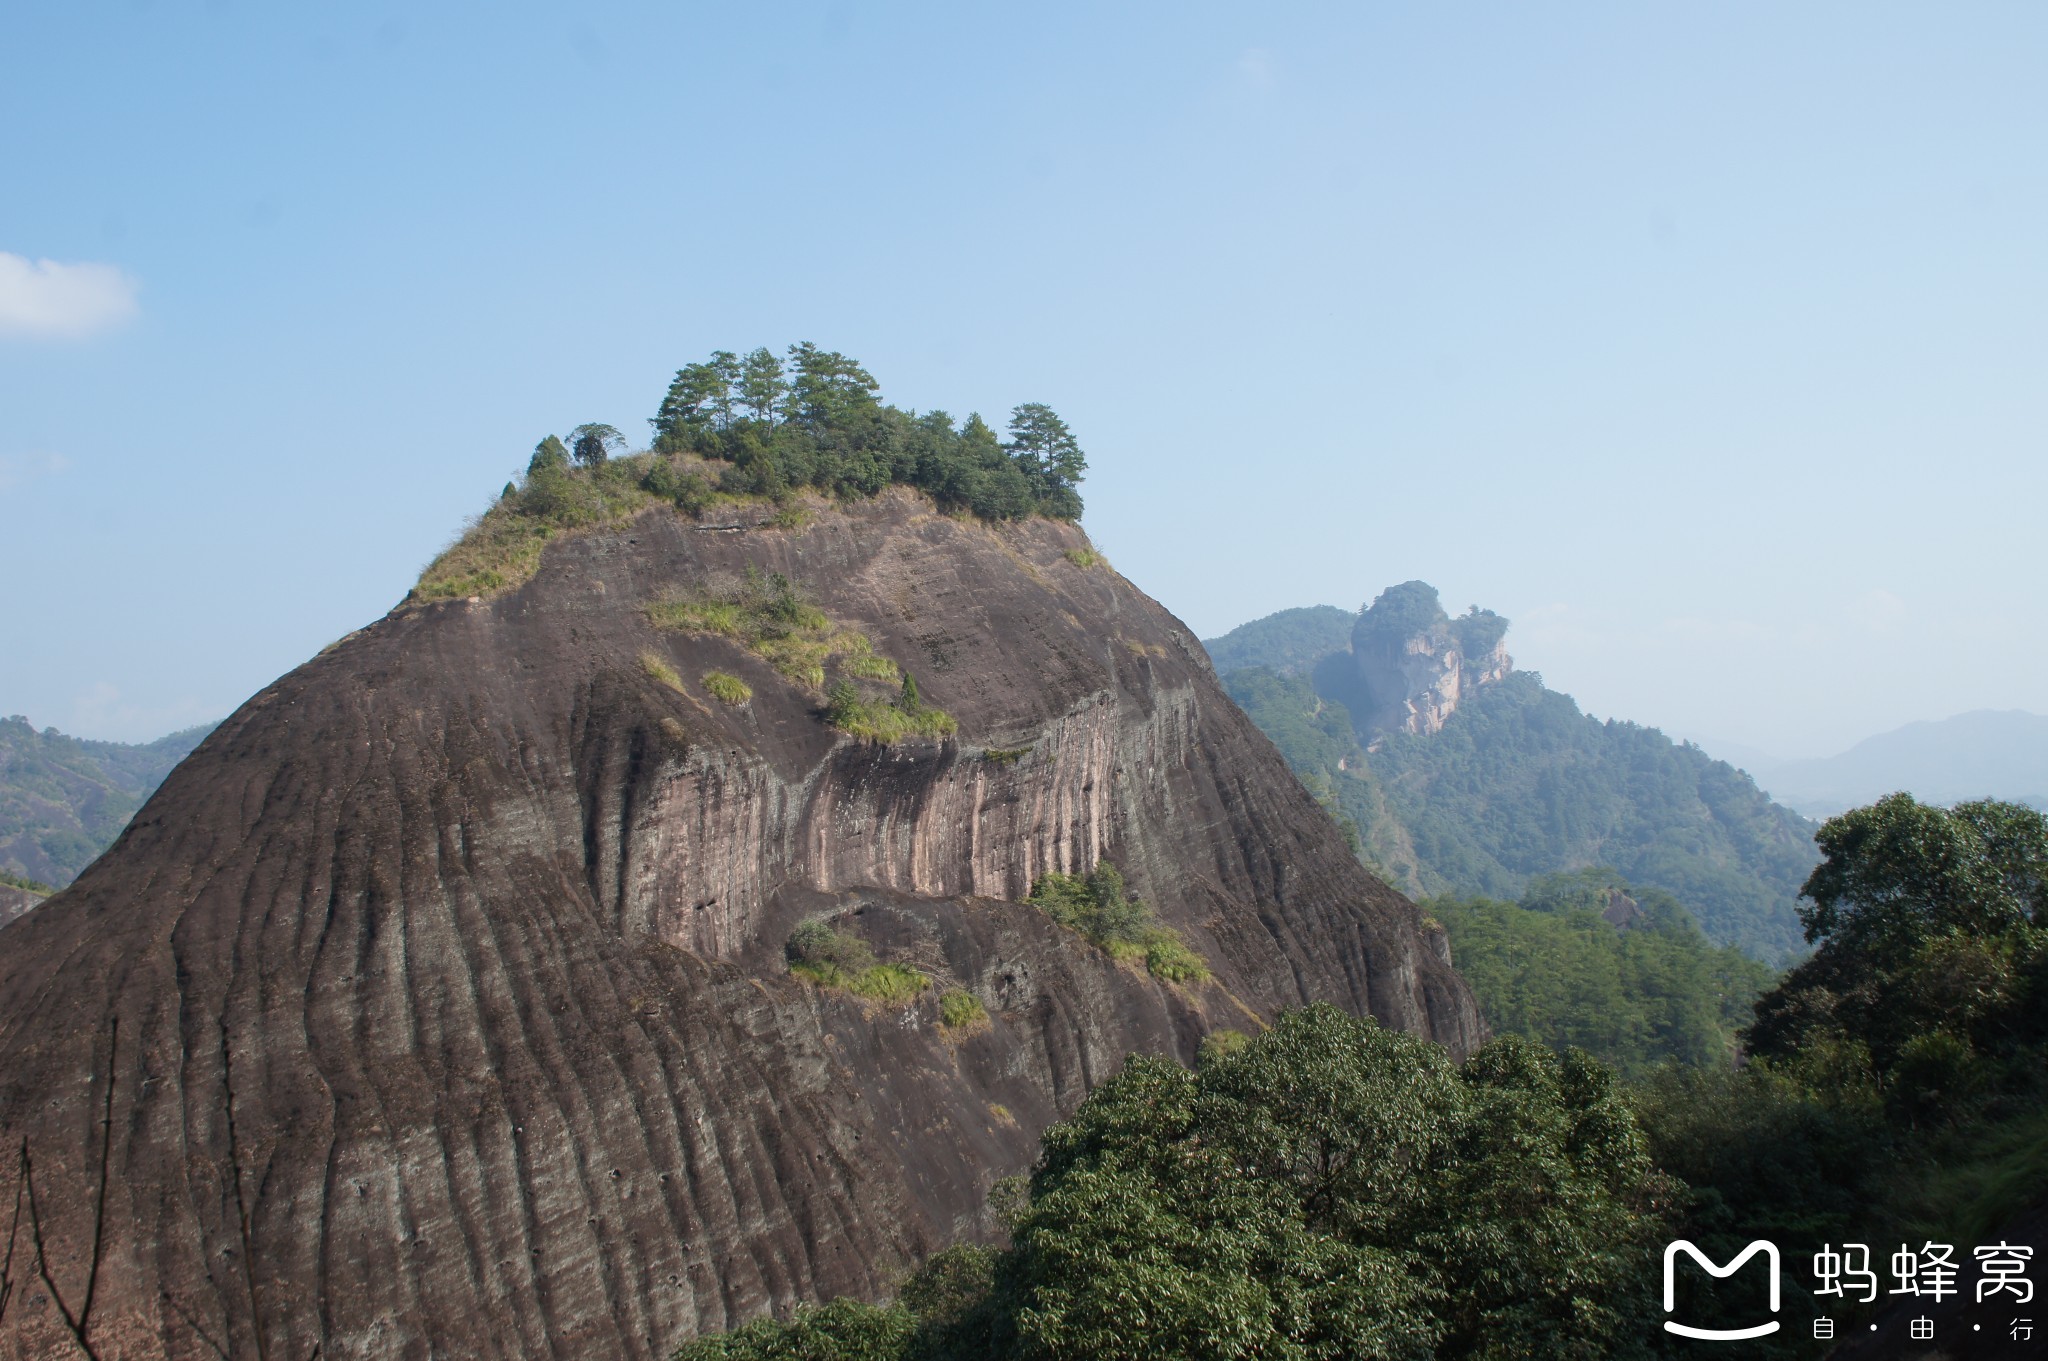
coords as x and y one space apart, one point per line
481 927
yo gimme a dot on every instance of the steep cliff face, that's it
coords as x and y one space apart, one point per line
452 963
1414 664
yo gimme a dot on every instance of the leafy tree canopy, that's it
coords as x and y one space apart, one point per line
592 444
548 455
1933 951
1897 1086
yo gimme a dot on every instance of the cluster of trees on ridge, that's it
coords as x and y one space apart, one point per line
776 428
1329 1189
817 421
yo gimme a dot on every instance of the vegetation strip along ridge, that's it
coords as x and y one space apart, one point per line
748 431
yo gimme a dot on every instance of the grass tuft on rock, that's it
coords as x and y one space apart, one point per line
661 671
727 688
766 615
960 1009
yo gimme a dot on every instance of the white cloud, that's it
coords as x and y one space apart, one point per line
16 469
1256 67
45 299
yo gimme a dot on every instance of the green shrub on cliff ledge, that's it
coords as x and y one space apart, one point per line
829 958
1096 906
768 616
8 880
880 720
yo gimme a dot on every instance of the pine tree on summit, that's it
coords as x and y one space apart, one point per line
1049 456
761 386
691 405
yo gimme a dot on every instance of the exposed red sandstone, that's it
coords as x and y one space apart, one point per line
492 924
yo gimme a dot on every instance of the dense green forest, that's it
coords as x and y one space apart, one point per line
1329 1189
64 799
1519 783
1634 996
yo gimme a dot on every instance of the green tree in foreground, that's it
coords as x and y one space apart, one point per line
1897 1086
1328 1190
1932 928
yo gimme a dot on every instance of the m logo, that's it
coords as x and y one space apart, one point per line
1770 1252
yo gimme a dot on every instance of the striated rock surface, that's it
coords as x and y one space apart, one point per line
452 963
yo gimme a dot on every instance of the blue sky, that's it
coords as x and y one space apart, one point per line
1705 342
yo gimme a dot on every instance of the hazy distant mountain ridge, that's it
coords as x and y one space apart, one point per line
1288 642
1987 753
63 799
1463 776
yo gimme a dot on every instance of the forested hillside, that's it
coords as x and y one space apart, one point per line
1588 960
64 799
1519 783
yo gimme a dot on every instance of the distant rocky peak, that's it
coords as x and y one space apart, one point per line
1414 662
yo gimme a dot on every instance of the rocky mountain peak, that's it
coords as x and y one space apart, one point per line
1414 662
453 972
